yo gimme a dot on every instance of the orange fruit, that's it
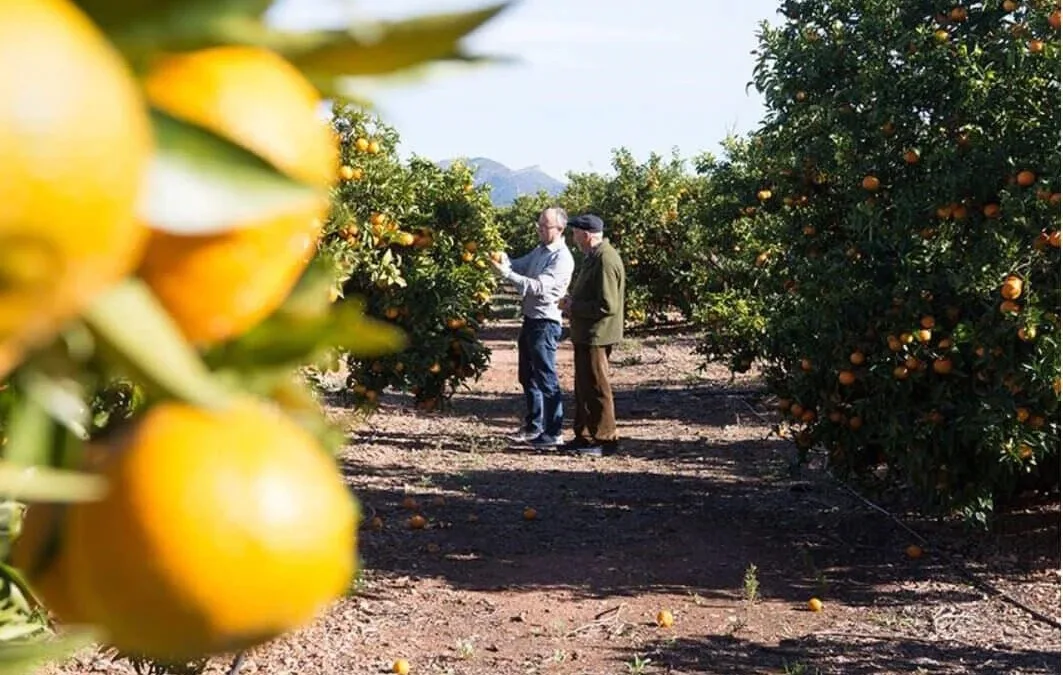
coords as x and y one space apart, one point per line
911 157
417 522
1053 19
1036 46
991 210
361 144
900 373
857 358
942 366
409 503
870 183
346 172
1053 238
373 147
764 195
927 321
1025 178
1009 307
401 667
846 377
806 365
208 514
913 551
941 35
1009 5
958 14
530 513
218 286
1011 289
815 605
76 142
665 619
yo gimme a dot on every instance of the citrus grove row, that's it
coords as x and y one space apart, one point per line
884 247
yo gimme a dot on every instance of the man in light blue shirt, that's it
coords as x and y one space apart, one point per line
541 277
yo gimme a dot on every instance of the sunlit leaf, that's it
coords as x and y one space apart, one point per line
129 320
200 183
47 484
386 48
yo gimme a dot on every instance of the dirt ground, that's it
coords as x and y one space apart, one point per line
700 513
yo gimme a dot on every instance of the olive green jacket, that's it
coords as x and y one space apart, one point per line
597 298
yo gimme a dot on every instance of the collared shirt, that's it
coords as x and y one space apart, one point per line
541 277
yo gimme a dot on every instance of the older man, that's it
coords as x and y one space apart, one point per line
541 277
595 307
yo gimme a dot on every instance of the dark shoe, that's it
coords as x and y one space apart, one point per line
575 444
544 441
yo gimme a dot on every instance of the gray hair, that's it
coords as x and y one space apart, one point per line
557 215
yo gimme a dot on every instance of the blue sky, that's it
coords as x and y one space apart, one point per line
593 75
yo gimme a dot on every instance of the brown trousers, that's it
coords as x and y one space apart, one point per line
595 418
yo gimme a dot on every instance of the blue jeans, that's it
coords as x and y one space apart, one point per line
537 372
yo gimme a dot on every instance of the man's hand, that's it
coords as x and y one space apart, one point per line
565 304
501 268
500 261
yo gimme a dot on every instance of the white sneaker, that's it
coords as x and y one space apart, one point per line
523 436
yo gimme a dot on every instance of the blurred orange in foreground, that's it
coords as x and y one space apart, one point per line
75 140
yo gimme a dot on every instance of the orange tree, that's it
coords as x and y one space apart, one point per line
413 240
735 287
640 204
909 217
172 250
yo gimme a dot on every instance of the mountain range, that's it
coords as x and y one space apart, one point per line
507 184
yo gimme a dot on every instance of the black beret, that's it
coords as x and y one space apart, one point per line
588 222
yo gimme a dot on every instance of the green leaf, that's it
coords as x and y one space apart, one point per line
29 432
136 329
145 28
305 326
201 183
387 47
26 658
47 484
286 340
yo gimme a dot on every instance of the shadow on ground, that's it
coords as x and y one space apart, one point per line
828 654
627 531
